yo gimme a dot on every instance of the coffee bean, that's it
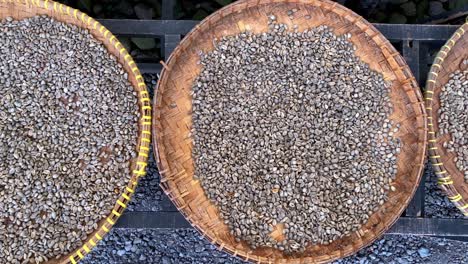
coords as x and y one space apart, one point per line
453 118
68 130
292 128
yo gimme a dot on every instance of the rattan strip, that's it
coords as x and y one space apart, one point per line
444 179
144 137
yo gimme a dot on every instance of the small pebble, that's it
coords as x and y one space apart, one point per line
424 252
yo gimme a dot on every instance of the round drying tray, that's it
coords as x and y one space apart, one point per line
20 9
452 57
173 120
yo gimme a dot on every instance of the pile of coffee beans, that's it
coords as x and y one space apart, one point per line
68 131
291 129
453 118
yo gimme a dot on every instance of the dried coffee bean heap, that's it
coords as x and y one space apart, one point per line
68 130
453 118
292 128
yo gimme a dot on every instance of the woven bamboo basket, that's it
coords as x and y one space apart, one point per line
20 9
452 57
173 122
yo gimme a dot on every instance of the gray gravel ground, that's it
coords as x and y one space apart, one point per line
411 249
437 205
149 196
186 246
182 246
156 246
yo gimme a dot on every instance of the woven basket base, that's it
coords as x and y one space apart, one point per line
21 9
452 57
172 120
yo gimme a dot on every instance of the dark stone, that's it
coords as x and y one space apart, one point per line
126 43
380 16
436 8
396 18
97 9
409 8
200 14
144 43
424 252
398 2
144 11
223 2
84 5
165 260
125 8
422 8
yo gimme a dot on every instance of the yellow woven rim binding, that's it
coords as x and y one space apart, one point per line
144 134
443 177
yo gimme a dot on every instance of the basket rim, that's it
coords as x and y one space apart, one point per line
137 165
238 6
445 180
